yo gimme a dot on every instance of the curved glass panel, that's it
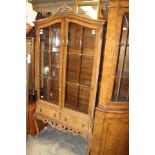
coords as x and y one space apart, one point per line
121 85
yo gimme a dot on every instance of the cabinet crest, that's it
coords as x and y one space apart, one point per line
63 10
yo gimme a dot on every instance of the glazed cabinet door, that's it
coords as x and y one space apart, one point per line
80 64
49 63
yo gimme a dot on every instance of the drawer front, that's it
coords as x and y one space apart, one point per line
75 122
48 112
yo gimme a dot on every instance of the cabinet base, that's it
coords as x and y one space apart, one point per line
55 124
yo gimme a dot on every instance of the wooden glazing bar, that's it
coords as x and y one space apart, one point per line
30 41
55 52
49 51
44 51
44 42
77 84
52 66
79 71
64 31
38 84
61 52
49 78
49 64
81 54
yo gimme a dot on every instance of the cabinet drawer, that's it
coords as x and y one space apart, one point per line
75 122
48 112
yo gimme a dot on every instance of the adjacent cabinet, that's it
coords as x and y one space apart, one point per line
68 49
111 125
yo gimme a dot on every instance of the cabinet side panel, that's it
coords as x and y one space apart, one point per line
110 134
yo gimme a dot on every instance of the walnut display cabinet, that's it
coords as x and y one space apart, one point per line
111 125
68 51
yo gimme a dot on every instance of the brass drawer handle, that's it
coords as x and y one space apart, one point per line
65 119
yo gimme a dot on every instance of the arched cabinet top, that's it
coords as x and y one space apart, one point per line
70 18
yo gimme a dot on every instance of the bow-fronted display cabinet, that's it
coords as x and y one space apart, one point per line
68 49
111 125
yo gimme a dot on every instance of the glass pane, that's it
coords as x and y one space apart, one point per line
121 85
54 91
44 61
44 46
55 37
49 62
44 38
120 60
88 45
71 96
73 66
123 47
124 90
86 70
124 32
115 90
126 63
55 59
83 100
55 65
49 90
74 38
44 88
54 73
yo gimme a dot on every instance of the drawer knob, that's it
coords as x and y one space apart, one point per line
82 125
54 115
65 119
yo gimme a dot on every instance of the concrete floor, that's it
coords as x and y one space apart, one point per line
53 142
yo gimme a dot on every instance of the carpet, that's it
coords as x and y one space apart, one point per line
53 142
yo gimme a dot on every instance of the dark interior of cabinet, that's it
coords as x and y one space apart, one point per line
121 85
80 58
49 63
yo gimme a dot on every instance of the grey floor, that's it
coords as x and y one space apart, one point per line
53 142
